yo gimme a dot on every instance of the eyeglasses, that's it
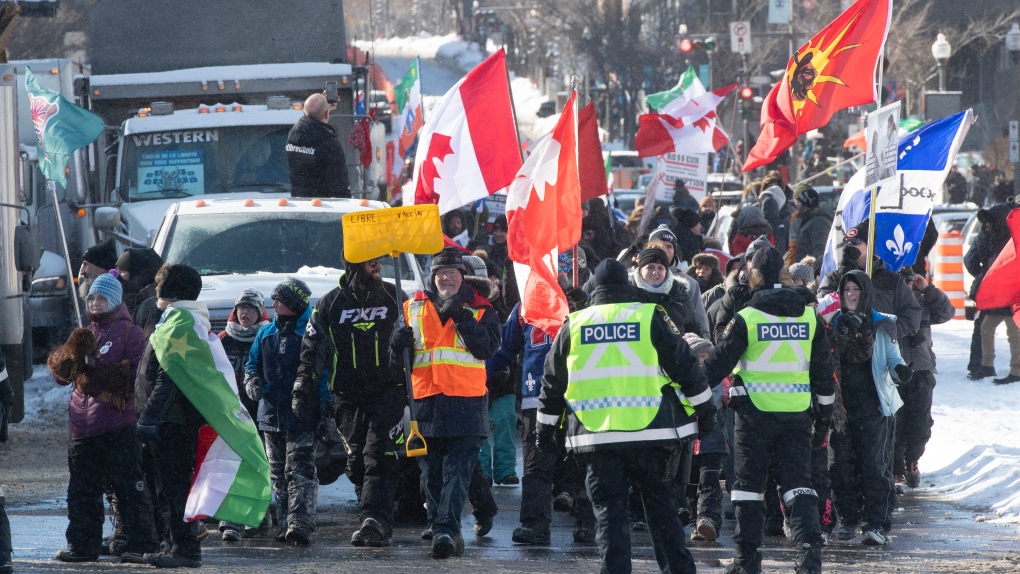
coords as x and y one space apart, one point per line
446 273
374 263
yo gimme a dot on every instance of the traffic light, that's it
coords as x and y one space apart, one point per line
686 45
746 102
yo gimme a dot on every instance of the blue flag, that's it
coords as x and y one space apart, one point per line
902 211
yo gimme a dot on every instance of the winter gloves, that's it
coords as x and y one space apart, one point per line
305 400
452 308
706 419
147 428
904 373
255 387
822 415
402 338
546 439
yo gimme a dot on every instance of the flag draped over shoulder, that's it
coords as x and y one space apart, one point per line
60 126
468 148
832 71
231 479
544 215
902 211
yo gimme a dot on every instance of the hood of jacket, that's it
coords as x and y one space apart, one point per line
750 215
867 289
783 302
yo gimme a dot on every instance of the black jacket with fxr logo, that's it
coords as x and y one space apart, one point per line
348 335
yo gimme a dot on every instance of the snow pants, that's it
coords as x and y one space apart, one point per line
913 420
498 455
537 482
861 473
292 472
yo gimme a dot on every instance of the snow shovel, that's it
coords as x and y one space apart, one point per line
411 229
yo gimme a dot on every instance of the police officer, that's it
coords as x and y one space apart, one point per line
781 385
619 371
315 157
348 335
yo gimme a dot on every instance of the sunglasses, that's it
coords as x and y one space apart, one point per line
566 267
854 241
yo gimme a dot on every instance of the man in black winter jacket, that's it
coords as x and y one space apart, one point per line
348 335
315 156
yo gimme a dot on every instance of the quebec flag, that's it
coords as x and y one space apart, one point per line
902 212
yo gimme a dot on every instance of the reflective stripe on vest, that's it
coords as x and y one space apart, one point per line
442 363
647 435
614 382
774 367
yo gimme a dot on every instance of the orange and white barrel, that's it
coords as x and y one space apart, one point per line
948 269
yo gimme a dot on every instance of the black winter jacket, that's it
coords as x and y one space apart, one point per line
814 232
316 161
158 396
348 335
936 308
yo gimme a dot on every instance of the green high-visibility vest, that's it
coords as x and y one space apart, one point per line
614 382
774 367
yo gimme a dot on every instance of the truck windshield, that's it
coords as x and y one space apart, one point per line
221 244
185 163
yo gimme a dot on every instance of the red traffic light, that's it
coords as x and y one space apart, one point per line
746 92
685 45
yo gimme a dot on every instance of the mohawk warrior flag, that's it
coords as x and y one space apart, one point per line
468 148
410 115
231 480
834 70
543 210
60 126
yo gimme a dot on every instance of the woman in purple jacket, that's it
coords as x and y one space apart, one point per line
100 362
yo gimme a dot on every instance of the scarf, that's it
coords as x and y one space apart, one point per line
244 334
662 289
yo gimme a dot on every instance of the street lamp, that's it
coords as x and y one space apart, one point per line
941 49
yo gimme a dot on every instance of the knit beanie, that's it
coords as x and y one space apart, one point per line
500 223
180 282
141 262
103 255
697 344
252 297
807 195
860 231
448 257
611 272
769 263
294 293
803 272
653 255
109 287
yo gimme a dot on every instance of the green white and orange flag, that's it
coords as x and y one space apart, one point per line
231 480
410 116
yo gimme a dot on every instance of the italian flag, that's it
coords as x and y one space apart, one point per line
231 480
670 101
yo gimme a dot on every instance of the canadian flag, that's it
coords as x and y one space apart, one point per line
543 210
468 148
690 129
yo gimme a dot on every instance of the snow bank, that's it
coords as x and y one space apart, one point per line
465 55
45 401
973 458
527 99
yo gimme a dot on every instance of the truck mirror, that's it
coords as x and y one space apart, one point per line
26 252
106 218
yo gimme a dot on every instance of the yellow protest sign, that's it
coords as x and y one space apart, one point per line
409 229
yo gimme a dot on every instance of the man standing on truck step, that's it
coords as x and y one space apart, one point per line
315 156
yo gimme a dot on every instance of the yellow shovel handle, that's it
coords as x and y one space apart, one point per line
412 435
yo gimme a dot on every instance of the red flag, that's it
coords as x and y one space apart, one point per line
468 148
591 166
543 210
833 71
1001 285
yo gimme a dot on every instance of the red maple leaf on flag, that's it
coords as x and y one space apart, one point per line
439 149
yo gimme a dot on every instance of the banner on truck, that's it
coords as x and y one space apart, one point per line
171 170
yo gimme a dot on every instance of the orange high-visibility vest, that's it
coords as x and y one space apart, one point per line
442 364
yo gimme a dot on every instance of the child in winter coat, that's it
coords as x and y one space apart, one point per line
247 317
289 436
868 362
101 361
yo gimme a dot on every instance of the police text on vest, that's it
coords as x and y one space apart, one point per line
610 333
783 332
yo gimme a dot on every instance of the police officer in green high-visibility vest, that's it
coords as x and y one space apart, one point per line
782 394
626 382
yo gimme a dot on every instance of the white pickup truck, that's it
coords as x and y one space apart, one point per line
258 242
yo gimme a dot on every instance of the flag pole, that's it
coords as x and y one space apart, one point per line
513 107
838 165
52 185
871 232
